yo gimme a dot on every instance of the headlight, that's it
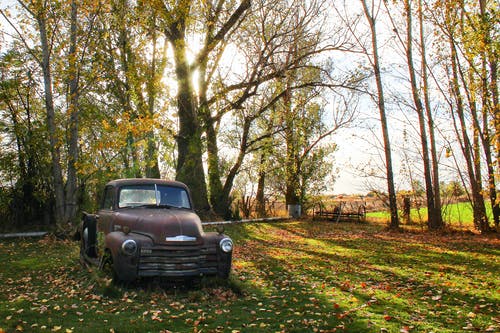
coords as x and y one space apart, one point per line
129 247
226 245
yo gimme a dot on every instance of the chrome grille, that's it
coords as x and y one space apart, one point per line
177 260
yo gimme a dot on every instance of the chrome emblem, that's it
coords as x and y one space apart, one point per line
181 238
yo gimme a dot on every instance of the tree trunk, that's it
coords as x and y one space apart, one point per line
394 223
260 205
228 184
479 210
23 205
152 166
490 94
71 183
189 144
437 218
433 221
131 155
54 139
291 168
189 160
217 200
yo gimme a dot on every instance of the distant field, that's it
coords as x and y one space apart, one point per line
457 215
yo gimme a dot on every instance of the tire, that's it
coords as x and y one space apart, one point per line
106 265
83 260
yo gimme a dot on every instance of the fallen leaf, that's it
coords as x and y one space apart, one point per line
471 315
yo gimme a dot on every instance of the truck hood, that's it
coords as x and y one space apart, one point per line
163 225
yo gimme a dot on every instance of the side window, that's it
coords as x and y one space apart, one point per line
108 200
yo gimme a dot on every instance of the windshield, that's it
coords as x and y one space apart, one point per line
153 195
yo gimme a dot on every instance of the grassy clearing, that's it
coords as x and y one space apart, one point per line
287 277
457 215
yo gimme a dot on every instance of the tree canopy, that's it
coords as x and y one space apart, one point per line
231 95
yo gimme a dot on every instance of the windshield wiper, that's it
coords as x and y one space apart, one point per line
164 206
151 205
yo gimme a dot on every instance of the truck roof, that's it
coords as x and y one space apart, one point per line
136 181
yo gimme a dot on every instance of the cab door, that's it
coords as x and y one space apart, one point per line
106 211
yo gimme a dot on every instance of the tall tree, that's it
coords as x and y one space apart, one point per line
437 221
277 39
424 114
45 20
177 23
73 81
156 68
52 21
489 53
370 14
472 97
305 131
133 60
464 105
25 157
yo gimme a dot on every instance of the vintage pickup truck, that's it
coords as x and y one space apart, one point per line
148 228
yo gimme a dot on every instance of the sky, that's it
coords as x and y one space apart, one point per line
349 154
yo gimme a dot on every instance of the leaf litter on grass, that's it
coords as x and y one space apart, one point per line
287 277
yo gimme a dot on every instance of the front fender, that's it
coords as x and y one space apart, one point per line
125 265
88 236
224 260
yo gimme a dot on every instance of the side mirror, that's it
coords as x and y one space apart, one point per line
220 229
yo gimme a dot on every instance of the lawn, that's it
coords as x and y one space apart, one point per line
458 215
297 276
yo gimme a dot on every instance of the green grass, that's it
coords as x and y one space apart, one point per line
457 215
287 277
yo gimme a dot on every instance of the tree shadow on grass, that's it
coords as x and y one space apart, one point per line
377 282
287 277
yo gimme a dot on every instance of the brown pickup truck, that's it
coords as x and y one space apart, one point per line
148 228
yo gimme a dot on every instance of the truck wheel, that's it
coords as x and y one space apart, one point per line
106 265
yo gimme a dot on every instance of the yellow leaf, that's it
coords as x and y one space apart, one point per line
471 315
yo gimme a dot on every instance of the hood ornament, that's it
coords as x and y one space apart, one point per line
181 238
